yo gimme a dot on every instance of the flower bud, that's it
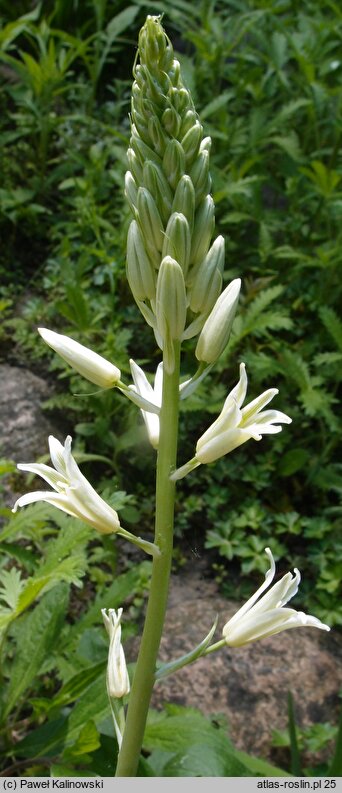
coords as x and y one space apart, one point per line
86 362
157 135
184 199
134 165
216 330
177 240
140 270
207 283
141 126
117 675
158 186
203 230
200 176
191 141
149 220
171 121
131 191
174 162
170 300
142 151
188 121
206 144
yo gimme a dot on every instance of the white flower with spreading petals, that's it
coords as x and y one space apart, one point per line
73 493
235 425
264 616
150 394
117 675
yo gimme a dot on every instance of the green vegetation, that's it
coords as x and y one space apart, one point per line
265 78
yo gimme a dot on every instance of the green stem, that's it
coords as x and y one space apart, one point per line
144 676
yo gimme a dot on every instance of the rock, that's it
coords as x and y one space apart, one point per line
24 428
249 685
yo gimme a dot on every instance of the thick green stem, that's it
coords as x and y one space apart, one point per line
144 676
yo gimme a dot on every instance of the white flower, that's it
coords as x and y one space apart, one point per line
262 617
86 362
236 425
152 395
117 675
74 494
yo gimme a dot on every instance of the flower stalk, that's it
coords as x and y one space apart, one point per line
144 676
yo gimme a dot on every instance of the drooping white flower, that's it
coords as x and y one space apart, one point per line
73 493
152 395
235 425
117 675
86 362
265 616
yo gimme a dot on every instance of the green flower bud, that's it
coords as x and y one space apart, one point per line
188 120
177 240
207 283
216 330
149 220
205 145
134 166
154 46
158 186
142 151
141 126
171 121
191 142
170 300
200 176
131 191
203 230
140 271
184 199
174 162
157 135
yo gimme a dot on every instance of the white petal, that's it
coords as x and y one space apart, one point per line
228 420
158 385
257 404
51 476
221 445
239 391
272 416
57 455
141 382
279 594
269 576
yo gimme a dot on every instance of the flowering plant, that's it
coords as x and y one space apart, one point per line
175 272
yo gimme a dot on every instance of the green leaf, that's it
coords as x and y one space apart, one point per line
45 740
87 741
93 705
11 587
259 767
203 760
77 685
332 323
40 632
121 22
211 750
292 461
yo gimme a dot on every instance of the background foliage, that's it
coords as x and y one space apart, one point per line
265 78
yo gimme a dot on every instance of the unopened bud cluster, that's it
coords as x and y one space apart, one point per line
174 271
